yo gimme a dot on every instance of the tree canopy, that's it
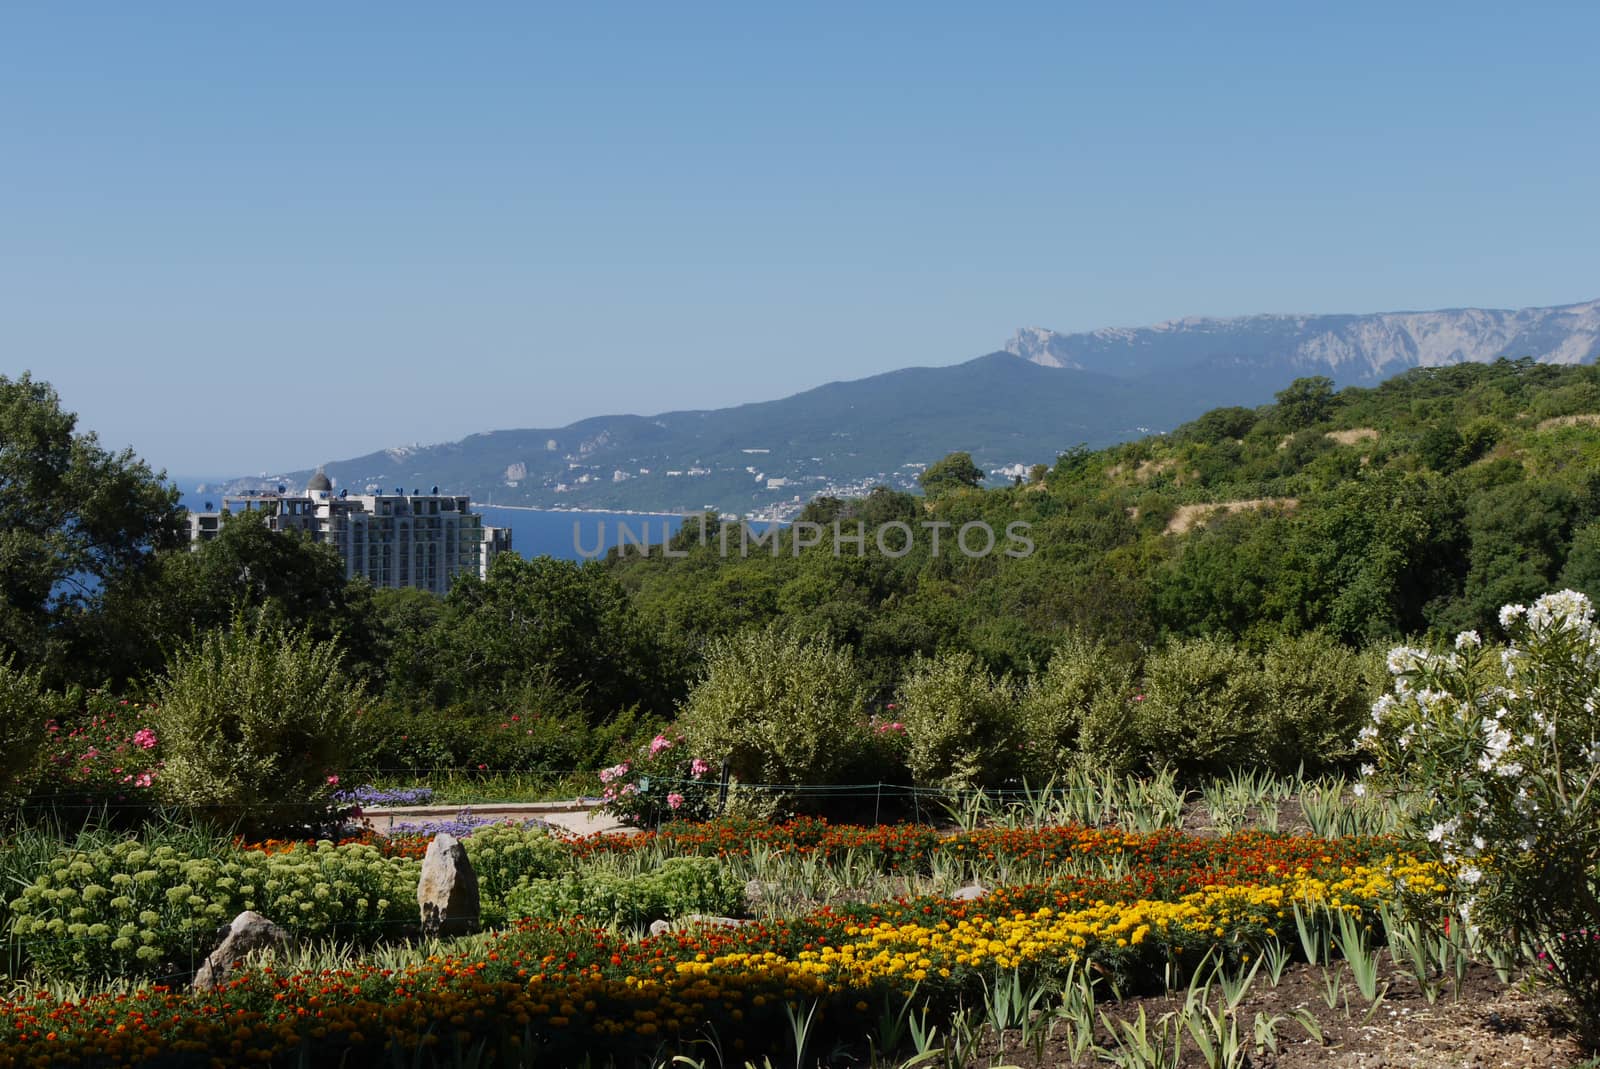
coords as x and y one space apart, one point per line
75 521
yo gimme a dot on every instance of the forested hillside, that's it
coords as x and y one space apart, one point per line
1242 571
1422 504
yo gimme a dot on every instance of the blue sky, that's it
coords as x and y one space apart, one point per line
243 239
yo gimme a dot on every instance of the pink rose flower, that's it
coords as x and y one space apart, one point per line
674 800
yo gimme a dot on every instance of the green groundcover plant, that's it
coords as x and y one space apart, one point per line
129 910
1505 746
677 887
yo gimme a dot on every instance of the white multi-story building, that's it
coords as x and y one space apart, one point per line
421 540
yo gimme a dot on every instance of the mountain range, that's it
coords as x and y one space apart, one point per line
1044 393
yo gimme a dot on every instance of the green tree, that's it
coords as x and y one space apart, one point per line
1203 709
1305 402
75 521
1078 711
25 707
1519 534
960 722
543 619
955 472
283 577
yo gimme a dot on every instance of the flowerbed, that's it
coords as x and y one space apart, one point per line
569 990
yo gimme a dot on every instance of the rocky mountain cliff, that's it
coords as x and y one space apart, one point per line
1351 349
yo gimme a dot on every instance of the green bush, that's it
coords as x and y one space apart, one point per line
961 722
131 910
506 857
25 708
255 722
1318 694
516 737
679 886
779 708
1078 711
1203 709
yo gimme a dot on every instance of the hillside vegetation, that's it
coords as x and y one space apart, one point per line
1420 505
1206 600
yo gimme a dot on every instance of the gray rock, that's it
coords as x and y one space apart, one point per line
970 893
660 928
758 891
707 919
447 894
249 931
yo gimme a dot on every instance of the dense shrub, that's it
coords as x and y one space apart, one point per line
24 710
961 722
132 910
678 886
1203 708
255 723
1503 743
779 708
1078 710
516 737
1317 695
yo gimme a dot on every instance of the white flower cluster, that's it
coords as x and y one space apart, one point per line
1566 610
1481 745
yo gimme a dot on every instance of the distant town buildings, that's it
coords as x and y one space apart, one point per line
421 540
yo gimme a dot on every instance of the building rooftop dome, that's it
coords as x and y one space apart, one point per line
319 481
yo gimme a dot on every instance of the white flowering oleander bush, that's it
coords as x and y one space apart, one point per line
1504 744
677 887
132 910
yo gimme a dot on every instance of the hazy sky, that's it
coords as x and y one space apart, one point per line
242 238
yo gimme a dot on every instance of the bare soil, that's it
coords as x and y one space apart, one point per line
1485 1024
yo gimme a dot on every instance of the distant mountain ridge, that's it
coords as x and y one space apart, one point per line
1045 393
1352 349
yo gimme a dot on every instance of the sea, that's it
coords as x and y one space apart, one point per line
564 534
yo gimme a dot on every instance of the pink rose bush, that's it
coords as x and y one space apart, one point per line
105 755
663 782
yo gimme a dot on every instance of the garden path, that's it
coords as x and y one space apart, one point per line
576 817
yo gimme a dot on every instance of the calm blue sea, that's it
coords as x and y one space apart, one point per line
535 532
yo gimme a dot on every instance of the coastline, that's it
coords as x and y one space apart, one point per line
578 511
